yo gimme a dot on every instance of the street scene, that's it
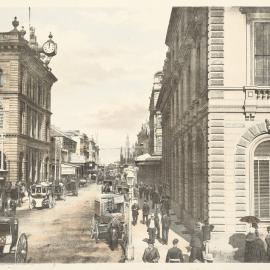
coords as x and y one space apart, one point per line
134 133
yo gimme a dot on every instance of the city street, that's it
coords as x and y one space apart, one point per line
61 234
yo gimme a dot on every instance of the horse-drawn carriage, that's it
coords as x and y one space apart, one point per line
12 245
72 187
42 196
108 222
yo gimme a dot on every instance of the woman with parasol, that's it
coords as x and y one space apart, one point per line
254 246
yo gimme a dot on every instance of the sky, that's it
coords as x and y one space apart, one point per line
108 53
106 60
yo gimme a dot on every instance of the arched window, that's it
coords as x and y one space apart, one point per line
1 78
261 188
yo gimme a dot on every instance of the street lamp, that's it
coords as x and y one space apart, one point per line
130 247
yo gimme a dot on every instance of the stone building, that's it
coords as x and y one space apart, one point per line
142 144
62 149
25 107
215 108
149 163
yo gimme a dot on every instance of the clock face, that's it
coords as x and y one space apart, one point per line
49 47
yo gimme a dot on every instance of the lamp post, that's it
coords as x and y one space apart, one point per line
130 247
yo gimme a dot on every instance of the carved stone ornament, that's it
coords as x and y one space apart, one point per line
267 123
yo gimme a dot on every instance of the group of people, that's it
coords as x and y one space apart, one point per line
174 254
154 194
255 246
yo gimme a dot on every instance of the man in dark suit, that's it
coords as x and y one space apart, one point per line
174 254
145 212
196 244
151 254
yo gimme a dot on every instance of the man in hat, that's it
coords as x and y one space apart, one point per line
157 223
146 193
151 228
206 232
151 254
174 254
135 212
267 240
145 211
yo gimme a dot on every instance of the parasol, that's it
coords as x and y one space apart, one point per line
250 219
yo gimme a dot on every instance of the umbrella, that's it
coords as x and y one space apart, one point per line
250 219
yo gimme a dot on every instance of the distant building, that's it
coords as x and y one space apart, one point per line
25 107
142 144
63 147
149 162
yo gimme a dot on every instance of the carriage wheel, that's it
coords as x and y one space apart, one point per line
21 249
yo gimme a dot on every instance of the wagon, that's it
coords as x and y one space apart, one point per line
107 207
11 244
41 196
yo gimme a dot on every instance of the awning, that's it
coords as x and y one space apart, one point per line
146 159
68 169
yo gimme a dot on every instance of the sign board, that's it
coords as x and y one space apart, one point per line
119 199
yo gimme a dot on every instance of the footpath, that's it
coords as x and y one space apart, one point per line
140 237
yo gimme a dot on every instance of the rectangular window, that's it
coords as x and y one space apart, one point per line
261 188
262 53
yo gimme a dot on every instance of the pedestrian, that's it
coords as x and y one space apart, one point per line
165 221
151 254
151 192
146 193
151 228
141 191
155 199
165 205
196 244
267 240
160 189
135 213
206 233
254 247
145 211
157 224
174 254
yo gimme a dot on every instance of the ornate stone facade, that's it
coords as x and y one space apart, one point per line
25 97
214 103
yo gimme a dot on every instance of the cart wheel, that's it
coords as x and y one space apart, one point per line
21 249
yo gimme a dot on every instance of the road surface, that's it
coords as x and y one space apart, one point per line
61 234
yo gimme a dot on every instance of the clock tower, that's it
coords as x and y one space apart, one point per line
25 105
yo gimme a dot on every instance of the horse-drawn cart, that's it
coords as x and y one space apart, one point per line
13 247
108 222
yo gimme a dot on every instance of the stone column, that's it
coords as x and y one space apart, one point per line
193 70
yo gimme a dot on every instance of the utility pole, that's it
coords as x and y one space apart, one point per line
130 247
